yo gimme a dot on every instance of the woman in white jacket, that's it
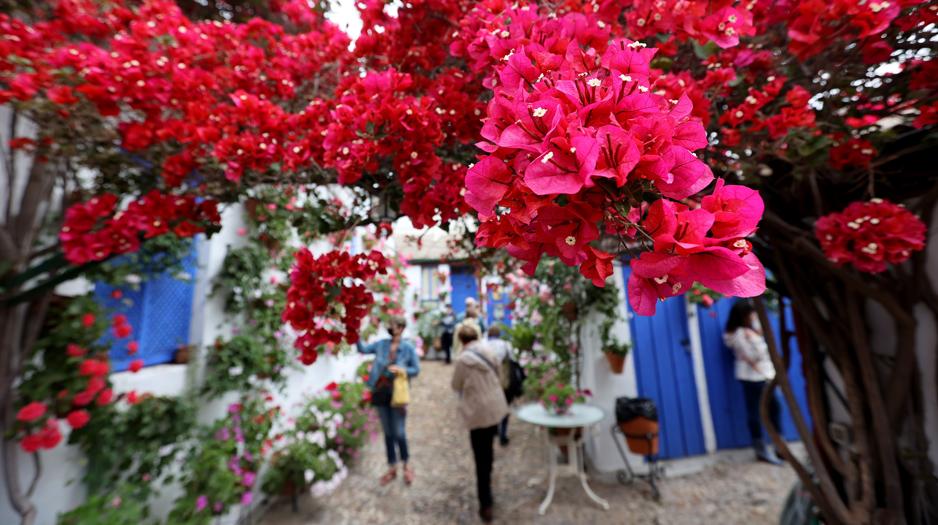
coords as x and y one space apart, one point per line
743 334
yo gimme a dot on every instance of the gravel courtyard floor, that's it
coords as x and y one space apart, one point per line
728 492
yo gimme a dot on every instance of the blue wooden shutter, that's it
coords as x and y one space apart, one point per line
159 312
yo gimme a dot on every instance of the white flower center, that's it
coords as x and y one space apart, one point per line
661 280
570 240
549 155
593 82
539 112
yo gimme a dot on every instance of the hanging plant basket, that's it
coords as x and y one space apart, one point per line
569 310
251 206
616 361
182 355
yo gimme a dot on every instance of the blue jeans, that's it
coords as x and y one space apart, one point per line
752 391
395 438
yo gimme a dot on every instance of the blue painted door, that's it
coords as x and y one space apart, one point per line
726 395
463 281
497 310
665 372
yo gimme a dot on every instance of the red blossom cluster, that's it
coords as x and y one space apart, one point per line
379 119
95 230
870 235
40 422
328 298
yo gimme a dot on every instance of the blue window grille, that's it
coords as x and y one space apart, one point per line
159 312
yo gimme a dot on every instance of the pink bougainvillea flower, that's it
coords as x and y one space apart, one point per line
136 365
736 209
486 183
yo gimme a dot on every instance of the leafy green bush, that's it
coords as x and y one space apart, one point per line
125 505
147 436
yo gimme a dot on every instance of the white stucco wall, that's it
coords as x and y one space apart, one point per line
60 489
606 387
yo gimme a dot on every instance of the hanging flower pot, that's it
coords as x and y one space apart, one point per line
182 355
251 205
616 361
569 310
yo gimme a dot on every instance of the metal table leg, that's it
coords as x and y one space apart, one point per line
551 474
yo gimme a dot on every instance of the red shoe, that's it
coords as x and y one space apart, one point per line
388 476
408 475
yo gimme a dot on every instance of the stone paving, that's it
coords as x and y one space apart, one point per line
729 492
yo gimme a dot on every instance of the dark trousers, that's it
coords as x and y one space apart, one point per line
752 391
446 343
503 429
395 438
482 444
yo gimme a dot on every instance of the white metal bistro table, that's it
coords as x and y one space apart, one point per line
579 415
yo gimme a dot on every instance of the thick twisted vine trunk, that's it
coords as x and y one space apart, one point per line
28 200
867 452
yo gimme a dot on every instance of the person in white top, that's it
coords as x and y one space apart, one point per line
501 349
743 335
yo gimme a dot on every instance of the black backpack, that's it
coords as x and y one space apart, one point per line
516 378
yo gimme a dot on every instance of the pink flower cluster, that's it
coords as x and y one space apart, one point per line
578 141
706 245
326 292
870 235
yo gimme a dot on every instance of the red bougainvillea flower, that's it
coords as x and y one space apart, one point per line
328 299
870 235
73 350
95 230
855 152
87 320
133 347
135 365
78 418
31 412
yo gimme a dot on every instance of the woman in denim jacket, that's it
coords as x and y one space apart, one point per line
391 356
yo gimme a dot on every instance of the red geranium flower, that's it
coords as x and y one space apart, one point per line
31 412
78 418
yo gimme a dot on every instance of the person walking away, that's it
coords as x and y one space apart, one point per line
448 323
501 350
753 367
470 318
482 406
393 355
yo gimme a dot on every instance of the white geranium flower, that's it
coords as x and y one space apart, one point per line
318 438
235 371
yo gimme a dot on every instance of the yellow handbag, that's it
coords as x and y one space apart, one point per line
400 395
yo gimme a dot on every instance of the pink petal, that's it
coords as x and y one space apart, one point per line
749 284
642 296
690 175
486 182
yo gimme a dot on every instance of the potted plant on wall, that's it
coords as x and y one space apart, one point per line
614 350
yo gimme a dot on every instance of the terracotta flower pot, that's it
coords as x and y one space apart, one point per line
641 435
182 355
569 310
616 362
